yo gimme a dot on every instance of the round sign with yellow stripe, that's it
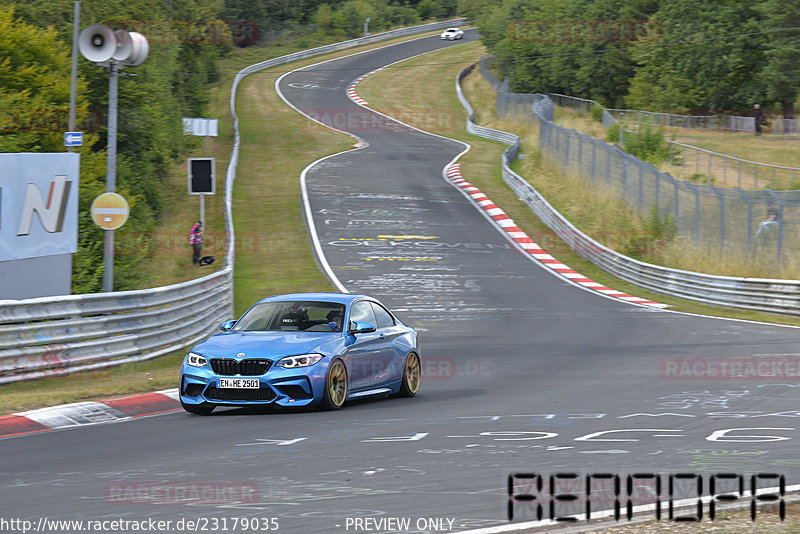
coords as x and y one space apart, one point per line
110 211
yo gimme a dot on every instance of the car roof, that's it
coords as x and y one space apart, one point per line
341 298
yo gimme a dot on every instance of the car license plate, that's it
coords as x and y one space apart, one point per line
244 383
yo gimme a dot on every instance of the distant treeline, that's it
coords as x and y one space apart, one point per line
661 55
343 18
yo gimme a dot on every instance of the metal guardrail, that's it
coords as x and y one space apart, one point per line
58 335
775 296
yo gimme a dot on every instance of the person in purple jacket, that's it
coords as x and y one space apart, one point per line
196 241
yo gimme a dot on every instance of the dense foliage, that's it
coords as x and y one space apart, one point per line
659 55
35 44
186 38
342 18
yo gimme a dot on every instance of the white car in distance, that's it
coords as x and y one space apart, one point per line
451 34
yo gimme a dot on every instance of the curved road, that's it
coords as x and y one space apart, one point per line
524 373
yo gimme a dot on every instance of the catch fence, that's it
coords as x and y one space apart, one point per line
728 219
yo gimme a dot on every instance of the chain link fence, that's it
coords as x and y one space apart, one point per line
736 123
761 222
706 164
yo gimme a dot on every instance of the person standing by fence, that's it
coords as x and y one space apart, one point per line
196 241
758 116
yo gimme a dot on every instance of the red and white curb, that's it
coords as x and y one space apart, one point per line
526 243
351 89
89 413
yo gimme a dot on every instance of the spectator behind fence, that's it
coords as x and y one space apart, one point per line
773 218
758 116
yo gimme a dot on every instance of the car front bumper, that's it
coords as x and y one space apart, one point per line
278 386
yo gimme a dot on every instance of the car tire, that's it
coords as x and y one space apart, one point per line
412 373
335 386
204 408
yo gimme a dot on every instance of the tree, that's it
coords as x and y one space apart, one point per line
781 71
34 87
429 9
700 71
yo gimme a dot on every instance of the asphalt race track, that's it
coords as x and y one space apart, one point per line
524 373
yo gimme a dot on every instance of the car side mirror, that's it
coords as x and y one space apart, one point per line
361 327
227 325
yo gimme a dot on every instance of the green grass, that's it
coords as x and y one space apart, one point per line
273 252
395 91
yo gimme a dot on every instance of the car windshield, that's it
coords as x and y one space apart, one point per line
306 316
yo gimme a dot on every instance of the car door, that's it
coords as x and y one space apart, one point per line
367 351
390 364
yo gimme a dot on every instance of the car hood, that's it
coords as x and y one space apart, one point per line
268 344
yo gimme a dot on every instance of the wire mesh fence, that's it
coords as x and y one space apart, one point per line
760 222
735 123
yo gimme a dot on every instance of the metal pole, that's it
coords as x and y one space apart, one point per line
202 195
73 84
111 174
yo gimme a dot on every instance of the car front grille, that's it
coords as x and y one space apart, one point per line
231 367
231 394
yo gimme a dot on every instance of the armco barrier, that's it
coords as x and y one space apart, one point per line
775 296
57 335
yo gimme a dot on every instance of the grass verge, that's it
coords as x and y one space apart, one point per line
273 253
395 91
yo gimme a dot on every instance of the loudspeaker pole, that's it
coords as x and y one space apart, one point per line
111 173
73 83
114 49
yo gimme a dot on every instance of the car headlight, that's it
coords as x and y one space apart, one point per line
195 360
293 362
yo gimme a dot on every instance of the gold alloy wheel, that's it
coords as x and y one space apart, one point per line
337 383
412 373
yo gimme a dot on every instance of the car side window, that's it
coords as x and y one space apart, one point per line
362 311
383 317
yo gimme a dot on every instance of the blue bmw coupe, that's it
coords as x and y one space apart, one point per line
317 349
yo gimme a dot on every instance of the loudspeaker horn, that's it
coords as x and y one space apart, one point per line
97 43
124 45
139 49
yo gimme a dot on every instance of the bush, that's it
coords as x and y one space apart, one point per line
647 144
612 134
597 113
702 179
